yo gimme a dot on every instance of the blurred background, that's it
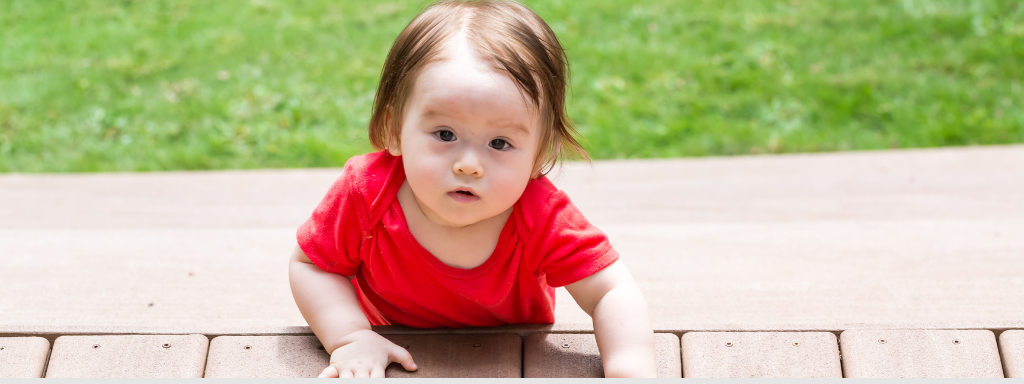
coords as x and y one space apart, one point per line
144 85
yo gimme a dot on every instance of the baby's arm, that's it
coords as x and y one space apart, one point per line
621 322
328 303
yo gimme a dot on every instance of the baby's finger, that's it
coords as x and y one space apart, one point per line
329 373
377 373
361 373
346 374
402 356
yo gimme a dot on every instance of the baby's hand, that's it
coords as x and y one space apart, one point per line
366 354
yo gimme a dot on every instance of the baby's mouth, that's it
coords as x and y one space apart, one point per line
463 196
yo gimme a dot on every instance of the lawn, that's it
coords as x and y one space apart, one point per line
159 85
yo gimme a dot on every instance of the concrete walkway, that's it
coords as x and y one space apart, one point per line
908 247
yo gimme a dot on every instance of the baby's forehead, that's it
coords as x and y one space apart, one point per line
461 78
459 59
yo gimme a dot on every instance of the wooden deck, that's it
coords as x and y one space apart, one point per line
905 263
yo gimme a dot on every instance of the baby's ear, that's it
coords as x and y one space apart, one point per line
394 144
394 150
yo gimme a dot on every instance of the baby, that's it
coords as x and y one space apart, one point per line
453 223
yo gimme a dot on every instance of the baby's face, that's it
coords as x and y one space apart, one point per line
468 139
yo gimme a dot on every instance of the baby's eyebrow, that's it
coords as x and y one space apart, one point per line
516 126
434 113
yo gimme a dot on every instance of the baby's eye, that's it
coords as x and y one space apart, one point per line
499 144
445 135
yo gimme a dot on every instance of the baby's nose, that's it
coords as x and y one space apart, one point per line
468 164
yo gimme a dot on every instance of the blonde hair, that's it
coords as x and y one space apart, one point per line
505 33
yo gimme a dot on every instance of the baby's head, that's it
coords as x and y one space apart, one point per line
472 96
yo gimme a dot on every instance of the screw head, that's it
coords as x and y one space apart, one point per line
797 344
247 347
728 344
881 341
94 346
477 345
566 345
166 345
956 341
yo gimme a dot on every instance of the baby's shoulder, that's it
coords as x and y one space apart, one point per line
371 171
369 177
541 201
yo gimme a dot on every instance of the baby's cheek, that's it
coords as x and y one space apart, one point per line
423 180
510 187
430 169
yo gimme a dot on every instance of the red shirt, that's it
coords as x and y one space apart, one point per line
359 229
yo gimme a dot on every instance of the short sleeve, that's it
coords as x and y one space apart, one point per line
569 248
330 238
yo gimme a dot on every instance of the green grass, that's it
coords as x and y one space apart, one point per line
158 85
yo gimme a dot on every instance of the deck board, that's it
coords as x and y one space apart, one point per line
23 357
266 357
1011 350
128 356
963 183
761 355
460 356
920 354
576 355
787 276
